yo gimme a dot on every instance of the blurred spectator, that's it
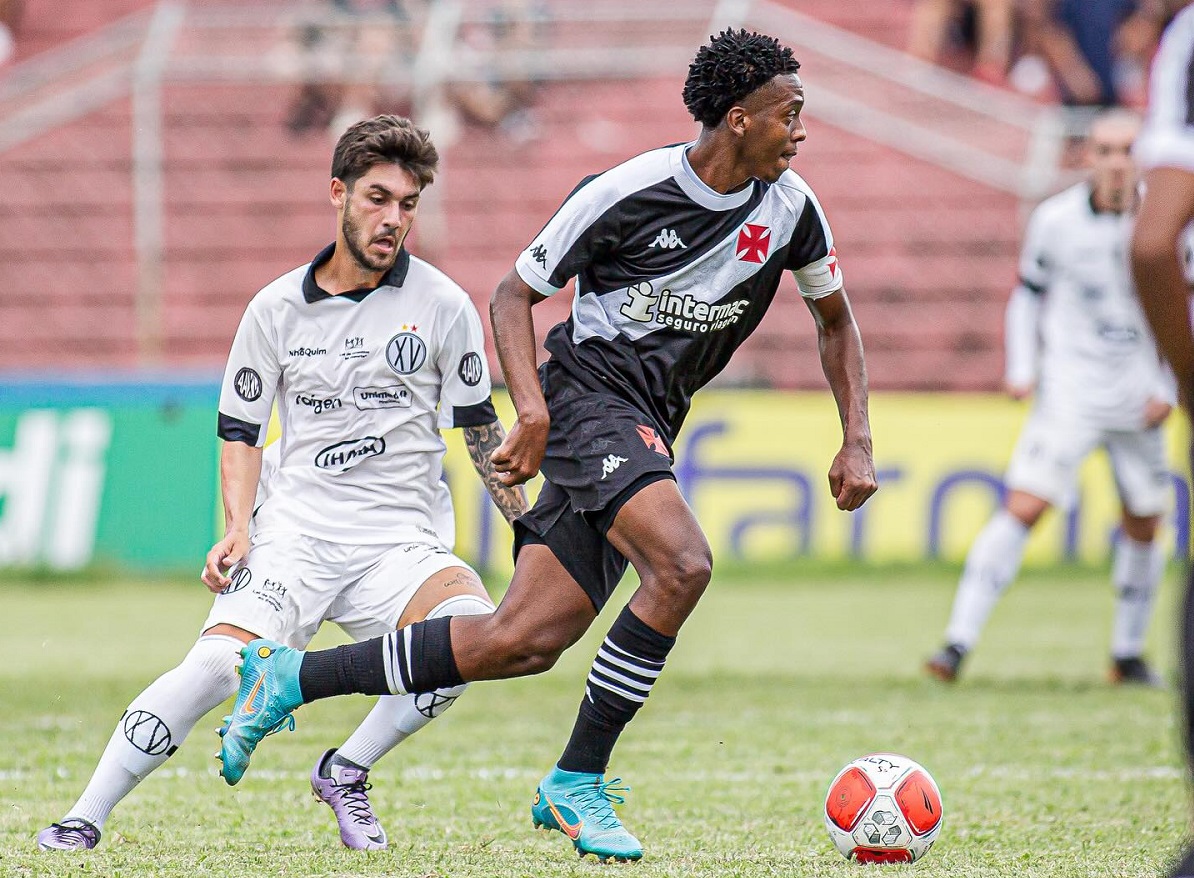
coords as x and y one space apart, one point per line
973 35
10 16
1096 50
500 91
343 57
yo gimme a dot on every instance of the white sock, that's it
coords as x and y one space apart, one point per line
1136 574
396 717
992 564
157 721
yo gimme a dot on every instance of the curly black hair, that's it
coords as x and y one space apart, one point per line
730 67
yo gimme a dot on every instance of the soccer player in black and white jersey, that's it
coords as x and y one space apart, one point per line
1078 342
368 353
1166 152
677 254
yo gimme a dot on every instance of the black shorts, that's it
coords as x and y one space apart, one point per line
601 451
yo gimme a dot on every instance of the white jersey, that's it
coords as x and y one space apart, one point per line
1097 357
363 382
1168 136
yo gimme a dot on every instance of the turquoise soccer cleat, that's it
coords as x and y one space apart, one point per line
269 691
582 807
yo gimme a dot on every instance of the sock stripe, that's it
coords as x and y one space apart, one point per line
633 665
387 657
612 678
617 690
608 644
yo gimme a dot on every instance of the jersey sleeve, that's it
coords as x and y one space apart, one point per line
1036 261
250 381
581 231
465 390
812 257
1168 136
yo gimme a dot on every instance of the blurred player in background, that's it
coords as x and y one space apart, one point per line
1077 338
368 352
1166 152
677 254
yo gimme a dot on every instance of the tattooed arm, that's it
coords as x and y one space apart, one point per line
481 442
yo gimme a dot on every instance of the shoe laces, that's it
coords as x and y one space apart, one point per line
286 723
599 799
76 830
355 797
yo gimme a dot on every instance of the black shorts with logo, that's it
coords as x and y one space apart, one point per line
601 451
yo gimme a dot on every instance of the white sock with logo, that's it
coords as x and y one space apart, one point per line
992 564
1136 575
157 721
396 717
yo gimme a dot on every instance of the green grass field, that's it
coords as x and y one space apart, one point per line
780 678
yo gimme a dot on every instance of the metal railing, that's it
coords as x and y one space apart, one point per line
976 131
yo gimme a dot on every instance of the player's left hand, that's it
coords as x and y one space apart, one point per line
222 557
852 476
1155 412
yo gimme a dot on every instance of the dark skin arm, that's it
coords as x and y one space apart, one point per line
852 473
520 454
1167 208
481 441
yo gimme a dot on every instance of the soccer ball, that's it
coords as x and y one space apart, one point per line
883 808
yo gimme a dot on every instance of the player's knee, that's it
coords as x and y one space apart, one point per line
531 652
683 576
215 659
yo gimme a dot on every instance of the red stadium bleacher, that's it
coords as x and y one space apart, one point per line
928 255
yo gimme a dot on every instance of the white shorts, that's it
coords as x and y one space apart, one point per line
289 584
1050 452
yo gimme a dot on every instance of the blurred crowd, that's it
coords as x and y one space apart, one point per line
356 58
1081 53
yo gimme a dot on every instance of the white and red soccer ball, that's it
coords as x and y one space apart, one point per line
883 808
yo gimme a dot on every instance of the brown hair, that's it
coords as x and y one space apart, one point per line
384 139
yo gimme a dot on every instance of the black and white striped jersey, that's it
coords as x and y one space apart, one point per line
1168 136
672 276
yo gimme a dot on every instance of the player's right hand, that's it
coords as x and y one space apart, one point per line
518 458
223 556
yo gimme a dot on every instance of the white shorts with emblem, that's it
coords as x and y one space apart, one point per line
289 584
1051 451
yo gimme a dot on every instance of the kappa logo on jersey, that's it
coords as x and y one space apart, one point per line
610 464
406 353
539 254
470 369
344 456
668 240
753 243
395 396
318 406
651 439
247 384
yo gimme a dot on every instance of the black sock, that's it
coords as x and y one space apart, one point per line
417 658
627 665
354 668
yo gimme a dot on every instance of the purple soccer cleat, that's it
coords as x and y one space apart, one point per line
347 793
72 834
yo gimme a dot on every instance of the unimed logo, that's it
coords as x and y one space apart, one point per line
345 455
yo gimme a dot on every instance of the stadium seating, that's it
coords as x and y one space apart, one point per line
928 256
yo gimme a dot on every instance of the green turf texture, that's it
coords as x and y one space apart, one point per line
780 678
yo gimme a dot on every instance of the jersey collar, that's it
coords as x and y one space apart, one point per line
694 187
313 292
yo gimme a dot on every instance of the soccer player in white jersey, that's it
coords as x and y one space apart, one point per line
677 253
1166 152
1076 337
368 352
